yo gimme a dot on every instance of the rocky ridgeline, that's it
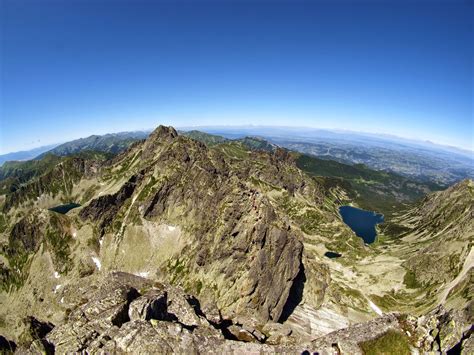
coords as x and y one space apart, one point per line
124 313
235 229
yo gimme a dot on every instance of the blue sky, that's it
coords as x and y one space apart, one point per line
74 68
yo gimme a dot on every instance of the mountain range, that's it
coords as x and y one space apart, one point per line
26 154
419 160
186 241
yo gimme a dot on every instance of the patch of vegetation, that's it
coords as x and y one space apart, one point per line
198 287
15 275
392 342
349 297
353 293
394 230
455 264
89 193
125 167
263 184
93 243
3 223
310 221
134 217
410 280
85 269
395 300
379 191
58 243
234 150
145 192
177 269
307 217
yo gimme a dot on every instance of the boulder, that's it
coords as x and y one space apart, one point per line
152 305
241 334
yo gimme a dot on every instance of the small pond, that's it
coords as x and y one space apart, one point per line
332 254
362 222
63 209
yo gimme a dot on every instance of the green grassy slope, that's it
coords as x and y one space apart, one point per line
15 174
371 189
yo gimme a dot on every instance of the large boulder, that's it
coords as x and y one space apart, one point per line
152 305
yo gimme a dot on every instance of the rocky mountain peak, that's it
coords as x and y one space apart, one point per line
163 132
159 136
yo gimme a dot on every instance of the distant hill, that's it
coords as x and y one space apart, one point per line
113 143
256 143
26 154
252 143
14 174
21 167
382 191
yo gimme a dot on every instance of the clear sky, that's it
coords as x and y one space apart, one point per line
78 67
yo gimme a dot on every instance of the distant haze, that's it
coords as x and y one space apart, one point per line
287 132
315 133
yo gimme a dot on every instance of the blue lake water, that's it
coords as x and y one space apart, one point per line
362 222
63 209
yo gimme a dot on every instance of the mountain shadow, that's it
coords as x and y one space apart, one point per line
295 296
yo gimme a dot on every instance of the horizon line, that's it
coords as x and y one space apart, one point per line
188 127
381 134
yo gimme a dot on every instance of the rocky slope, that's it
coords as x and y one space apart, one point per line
438 239
55 183
124 313
241 230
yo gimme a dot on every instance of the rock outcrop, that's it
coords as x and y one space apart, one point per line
103 209
129 314
124 313
39 230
